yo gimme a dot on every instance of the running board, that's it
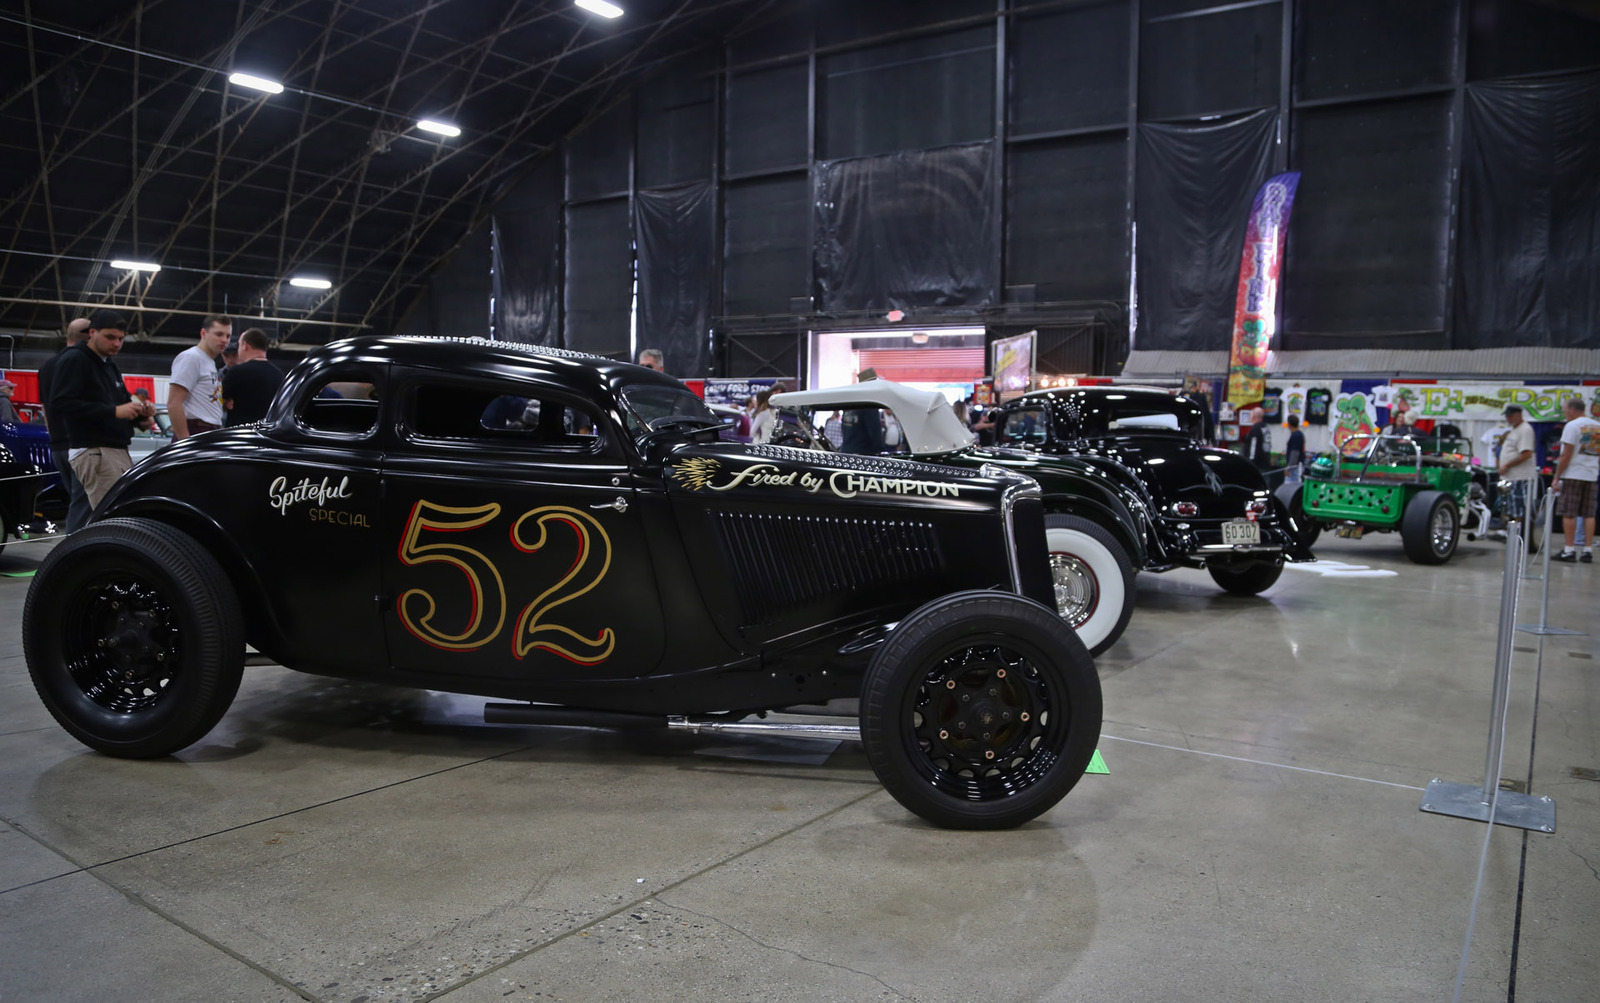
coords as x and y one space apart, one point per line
787 728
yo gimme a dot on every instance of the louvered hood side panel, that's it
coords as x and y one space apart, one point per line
785 563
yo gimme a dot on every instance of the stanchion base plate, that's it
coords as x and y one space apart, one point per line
1533 628
1520 811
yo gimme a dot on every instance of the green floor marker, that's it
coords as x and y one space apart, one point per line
19 574
1097 765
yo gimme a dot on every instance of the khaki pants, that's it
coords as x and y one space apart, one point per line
98 467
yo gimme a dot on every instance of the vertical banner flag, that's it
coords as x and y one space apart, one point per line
1255 310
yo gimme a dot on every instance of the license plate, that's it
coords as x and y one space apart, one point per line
1240 531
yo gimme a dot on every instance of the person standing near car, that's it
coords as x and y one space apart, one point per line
78 507
1574 481
1294 452
194 397
87 391
249 385
1516 467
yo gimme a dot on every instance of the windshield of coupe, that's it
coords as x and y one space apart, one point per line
653 408
1145 415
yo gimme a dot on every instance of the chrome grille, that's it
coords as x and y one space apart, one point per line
781 563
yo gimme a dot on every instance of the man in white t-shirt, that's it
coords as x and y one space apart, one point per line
194 398
1517 464
1576 473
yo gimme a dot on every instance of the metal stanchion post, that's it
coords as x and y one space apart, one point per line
1488 803
1543 628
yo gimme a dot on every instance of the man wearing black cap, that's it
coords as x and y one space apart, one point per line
88 394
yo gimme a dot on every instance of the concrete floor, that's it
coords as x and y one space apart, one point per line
1258 837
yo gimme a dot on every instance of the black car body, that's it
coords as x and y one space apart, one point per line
1210 508
533 525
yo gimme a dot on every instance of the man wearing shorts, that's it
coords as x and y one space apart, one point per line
1575 477
1517 467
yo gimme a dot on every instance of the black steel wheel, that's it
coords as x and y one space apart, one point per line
981 711
1430 528
1093 579
1249 579
133 637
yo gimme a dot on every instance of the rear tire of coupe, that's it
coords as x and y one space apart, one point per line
1093 579
1248 579
1309 528
981 711
133 637
1430 528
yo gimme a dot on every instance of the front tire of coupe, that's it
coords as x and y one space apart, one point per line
1093 579
981 711
133 637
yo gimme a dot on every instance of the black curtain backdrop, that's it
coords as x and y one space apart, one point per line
1530 215
677 244
1193 192
527 264
907 230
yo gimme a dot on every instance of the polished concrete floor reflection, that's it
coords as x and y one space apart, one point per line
1258 836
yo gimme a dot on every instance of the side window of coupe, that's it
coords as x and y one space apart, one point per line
341 403
503 415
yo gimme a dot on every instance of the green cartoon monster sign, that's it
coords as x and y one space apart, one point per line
1353 416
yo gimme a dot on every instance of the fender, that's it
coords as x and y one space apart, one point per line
264 629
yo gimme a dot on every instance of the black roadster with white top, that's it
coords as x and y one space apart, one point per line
569 535
1211 507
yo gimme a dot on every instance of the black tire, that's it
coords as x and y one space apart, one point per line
1093 579
1430 527
1032 683
1246 579
1307 528
133 637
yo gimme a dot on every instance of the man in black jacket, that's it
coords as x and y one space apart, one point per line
78 506
87 392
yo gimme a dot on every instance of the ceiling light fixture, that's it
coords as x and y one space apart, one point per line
255 83
305 283
438 128
599 7
136 266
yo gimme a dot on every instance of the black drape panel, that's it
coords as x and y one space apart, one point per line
676 247
527 266
456 301
907 230
1194 190
1530 215
599 277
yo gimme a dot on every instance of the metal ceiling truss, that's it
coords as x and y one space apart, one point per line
378 234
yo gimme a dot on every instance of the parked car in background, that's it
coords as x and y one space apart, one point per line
1417 485
147 441
1210 508
1094 527
26 471
569 534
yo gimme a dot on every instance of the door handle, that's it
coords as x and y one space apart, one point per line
618 505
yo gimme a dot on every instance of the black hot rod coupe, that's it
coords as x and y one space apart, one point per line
570 533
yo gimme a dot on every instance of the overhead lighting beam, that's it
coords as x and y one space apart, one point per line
302 282
136 266
599 7
255 83
438 128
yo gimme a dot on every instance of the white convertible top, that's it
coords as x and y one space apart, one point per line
926 417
